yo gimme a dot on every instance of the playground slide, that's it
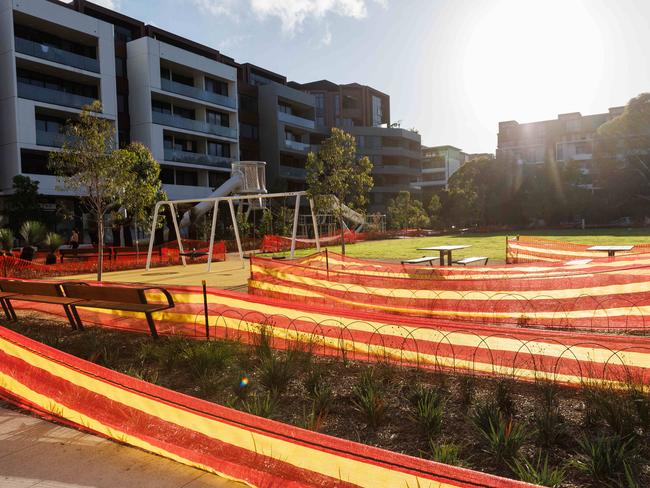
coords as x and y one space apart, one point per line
355 217
233 184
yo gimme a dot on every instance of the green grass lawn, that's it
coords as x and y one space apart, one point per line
490 245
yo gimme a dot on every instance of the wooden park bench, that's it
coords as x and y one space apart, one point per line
423 259
81 253
472 259
37 292
117 298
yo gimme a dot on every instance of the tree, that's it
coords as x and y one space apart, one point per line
336 178
404 212
89 164
145 189
23 203
622 159
434 208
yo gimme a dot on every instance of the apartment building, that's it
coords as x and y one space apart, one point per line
365 113
183 106
53 61
570 137
438 164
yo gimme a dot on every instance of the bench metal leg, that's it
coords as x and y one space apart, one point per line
152 326
5 309
77 319
12 312
71 319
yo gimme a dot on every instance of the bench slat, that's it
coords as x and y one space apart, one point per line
472 259
105 293
423 259
128 307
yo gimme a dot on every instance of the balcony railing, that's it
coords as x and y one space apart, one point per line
290 172
395 169
194 125
295 120
46 138
55 54
197 93
48 95
197 158
299 146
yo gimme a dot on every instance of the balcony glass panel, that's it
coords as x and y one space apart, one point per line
197 93
56 97
46 138
298 146
289 172
295 120
56 55
197 158
195 125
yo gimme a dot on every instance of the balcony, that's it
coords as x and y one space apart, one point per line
197 158
197 93
56 97
295 120
299 146
51 139
193 125
395 169
294 173
56 55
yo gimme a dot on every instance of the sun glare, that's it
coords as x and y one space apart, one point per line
530 59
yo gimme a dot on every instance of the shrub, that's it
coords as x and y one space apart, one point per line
641 402
539 473
368 399
429 412
263 343
604 457
504 438
262 405
32 232
549 426
275 373
447 453
466 389
313 419
6 240
503 396
205 357
616 410
484 414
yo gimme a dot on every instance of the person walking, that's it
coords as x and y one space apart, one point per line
74 240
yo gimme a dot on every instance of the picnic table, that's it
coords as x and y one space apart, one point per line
611 250
444 251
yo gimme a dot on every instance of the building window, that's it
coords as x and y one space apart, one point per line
186 113
187 178
34 162
283 107
248 131
27 77
216 86
337 104
216 179
219 149
217 118
583 148
161 107
258 80
120 67
320 121
377 113
247 103
167 175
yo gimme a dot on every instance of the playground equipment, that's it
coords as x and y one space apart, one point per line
247 184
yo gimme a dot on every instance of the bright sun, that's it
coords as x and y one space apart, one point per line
531 58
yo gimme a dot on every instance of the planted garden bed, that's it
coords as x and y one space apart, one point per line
541 433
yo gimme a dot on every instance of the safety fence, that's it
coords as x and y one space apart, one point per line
525 249
275 243
606 301
572 358
115 259
224 441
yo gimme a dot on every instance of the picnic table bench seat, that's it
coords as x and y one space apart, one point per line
36 292
423 259
117 298
472 259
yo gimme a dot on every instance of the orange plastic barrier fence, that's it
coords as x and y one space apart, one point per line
492 349
615 299
227 442
525 249
115 259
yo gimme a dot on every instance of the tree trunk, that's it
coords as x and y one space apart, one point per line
100 246
342 231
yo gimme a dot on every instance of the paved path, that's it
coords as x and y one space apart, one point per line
37 453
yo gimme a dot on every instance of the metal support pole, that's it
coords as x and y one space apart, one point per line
178 233
212 231
236 229
153 235
315 224
294 233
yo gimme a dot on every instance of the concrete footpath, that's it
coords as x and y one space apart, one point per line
37 453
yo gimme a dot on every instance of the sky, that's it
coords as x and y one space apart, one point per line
453 68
